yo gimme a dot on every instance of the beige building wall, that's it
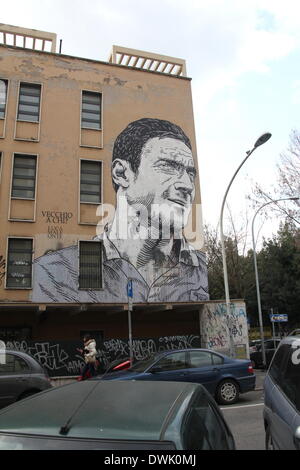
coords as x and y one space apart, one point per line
56 219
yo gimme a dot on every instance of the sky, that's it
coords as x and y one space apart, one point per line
244 60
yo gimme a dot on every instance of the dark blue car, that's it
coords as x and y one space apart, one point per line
223 377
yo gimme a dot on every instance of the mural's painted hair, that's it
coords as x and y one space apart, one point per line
130 142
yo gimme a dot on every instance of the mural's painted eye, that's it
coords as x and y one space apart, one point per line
169 166
192 174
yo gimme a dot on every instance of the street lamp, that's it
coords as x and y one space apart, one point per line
261 328
260 141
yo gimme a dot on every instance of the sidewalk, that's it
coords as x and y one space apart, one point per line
260 377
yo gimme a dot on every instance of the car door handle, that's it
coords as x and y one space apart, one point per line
215 369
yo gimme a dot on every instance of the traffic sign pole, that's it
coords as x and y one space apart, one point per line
130 308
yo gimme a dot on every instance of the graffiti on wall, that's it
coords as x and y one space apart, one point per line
149 237
55 221
2 269
143 348
60 358
216 329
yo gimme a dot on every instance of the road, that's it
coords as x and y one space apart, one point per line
245 418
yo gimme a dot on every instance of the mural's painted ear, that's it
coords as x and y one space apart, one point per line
122 174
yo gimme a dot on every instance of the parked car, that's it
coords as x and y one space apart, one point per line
116 415
223 377
270 347
253 345
282 397
20 376
118 364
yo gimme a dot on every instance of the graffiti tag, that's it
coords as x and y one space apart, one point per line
61 358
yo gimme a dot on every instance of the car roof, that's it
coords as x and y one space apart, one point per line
23 354
19 353
102 409
171 351
290 339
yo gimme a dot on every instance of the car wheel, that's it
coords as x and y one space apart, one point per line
269 440
227 392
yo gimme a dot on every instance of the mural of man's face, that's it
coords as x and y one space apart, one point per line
165 180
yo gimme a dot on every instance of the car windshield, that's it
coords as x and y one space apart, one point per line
140 366
21 442
269 344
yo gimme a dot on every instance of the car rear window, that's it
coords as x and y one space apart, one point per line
140 366
11 363
277 364
203 427
291 378
21 442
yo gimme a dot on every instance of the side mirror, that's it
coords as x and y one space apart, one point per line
155 369
297 438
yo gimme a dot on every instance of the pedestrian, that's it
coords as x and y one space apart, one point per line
89 353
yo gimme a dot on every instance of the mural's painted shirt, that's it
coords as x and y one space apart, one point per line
56 278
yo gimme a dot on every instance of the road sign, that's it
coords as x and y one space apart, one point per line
129 289
278 318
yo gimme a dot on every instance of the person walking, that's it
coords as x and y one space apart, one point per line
89 353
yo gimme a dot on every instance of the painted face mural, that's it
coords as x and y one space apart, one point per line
164 183
153 173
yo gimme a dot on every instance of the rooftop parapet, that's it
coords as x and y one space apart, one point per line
43 41
147 61
27 38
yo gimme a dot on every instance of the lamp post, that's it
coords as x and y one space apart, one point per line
261 328
260 141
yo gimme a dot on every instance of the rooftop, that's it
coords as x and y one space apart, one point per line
47 42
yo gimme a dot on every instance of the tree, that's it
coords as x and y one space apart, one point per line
288 182
238 266
279 267
289 172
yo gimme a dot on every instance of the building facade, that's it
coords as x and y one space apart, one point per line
99 191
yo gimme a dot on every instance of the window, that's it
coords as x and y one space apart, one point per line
90 181
19 264
13 364
276 369
90 265
291 380
29 102
173 361
24 175
91 110
3 97
217 360
271 344
203 427
200 359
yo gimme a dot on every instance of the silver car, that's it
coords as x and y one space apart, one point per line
282 397
20 376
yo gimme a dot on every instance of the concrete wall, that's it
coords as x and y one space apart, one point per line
216 331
